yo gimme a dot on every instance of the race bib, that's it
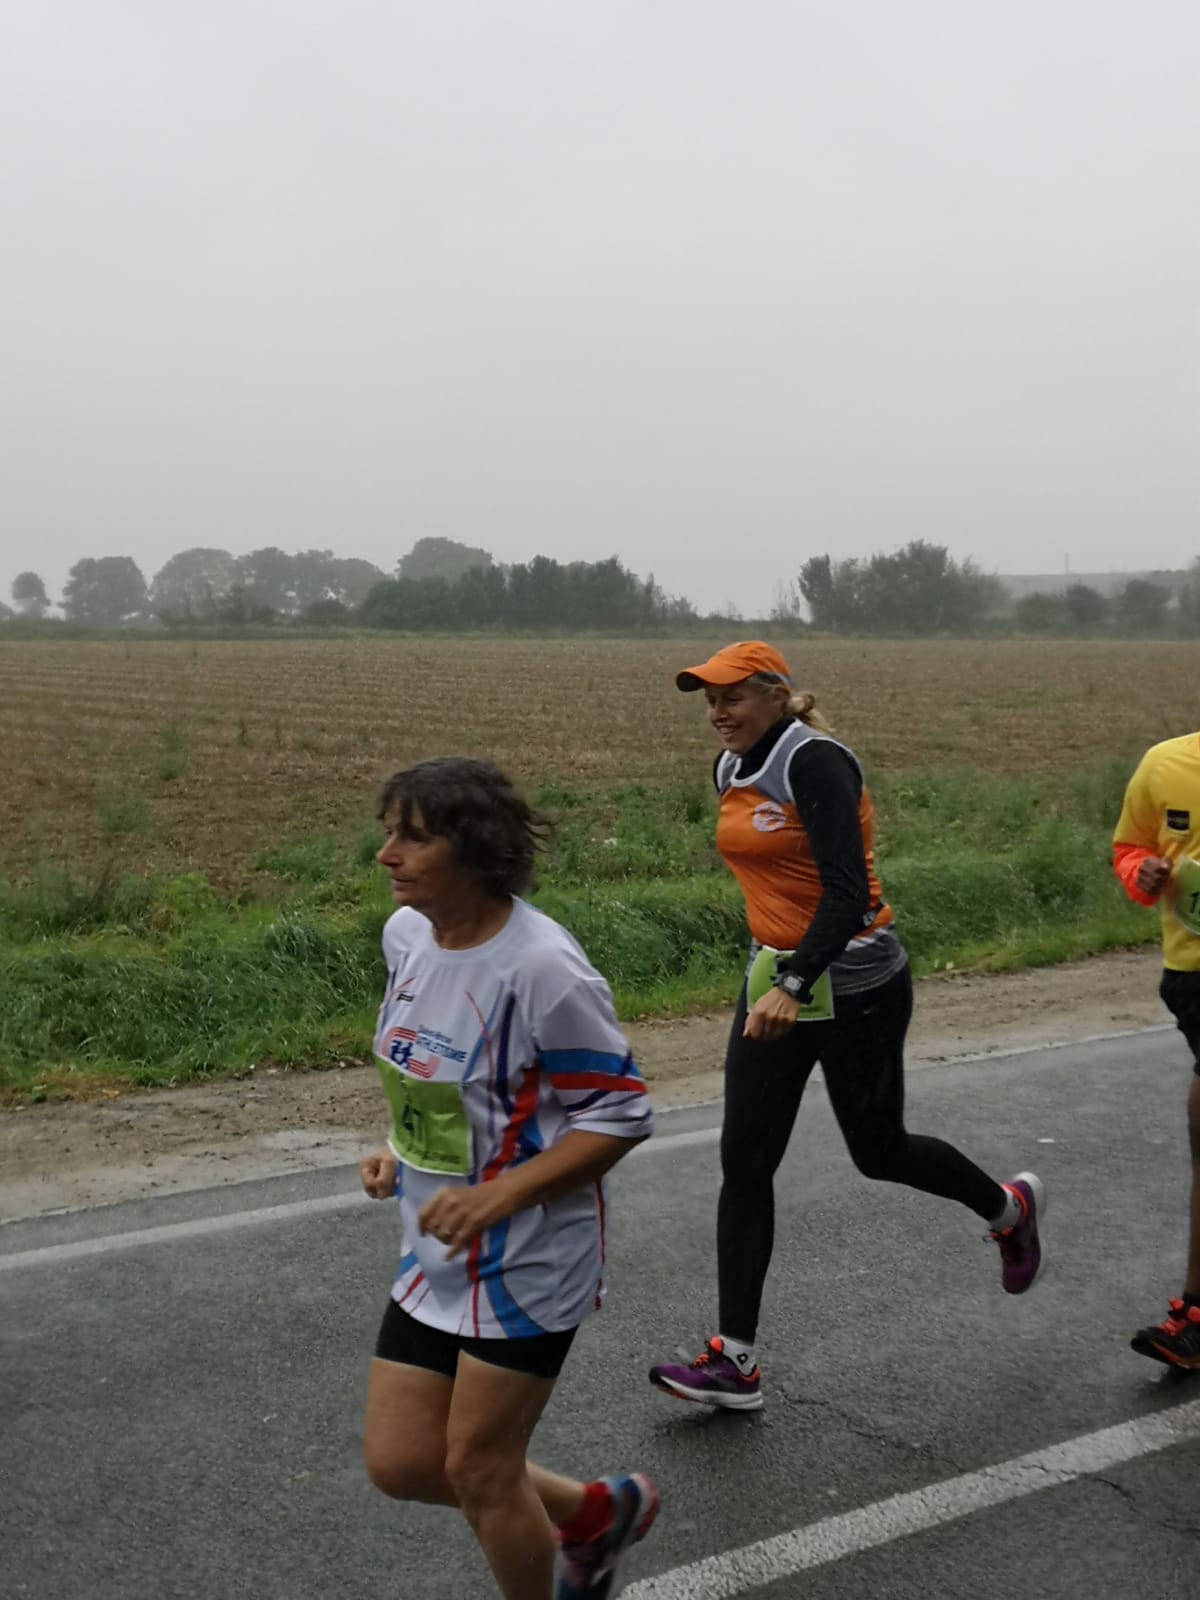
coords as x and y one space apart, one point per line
762 971
1186 894
430 1130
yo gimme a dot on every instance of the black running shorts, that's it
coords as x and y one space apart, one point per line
405 1340
1180 993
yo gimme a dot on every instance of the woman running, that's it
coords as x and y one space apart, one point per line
1156 855
512 1092
828 982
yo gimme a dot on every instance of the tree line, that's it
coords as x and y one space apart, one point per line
439 586
920 590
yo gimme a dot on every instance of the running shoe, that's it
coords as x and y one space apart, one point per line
1175 1341
589 1567
1022 1258
712 1379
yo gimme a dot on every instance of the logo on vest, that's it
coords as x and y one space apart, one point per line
769 817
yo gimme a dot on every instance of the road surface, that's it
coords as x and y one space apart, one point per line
181 1379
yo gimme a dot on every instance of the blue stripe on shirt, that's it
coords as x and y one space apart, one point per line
613 1066
517 1324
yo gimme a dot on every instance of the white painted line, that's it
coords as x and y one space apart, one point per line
1054 1044
736 1572
197 1227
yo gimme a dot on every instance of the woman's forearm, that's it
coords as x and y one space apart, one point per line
575 1161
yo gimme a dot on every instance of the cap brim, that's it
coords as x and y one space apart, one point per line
709 674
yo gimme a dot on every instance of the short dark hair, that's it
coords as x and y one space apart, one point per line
495 834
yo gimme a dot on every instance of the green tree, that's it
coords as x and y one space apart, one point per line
1189 599
351 580
105 592
191 585
1042 613
29 595
1086 608
441 558
917 589
1142 606
269 580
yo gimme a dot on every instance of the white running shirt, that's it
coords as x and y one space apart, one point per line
488 1056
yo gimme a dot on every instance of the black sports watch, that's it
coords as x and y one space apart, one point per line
792 984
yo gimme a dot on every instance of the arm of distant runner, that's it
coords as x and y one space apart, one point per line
1135 840
1125 863
827 789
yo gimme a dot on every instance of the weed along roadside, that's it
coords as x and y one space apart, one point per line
154 978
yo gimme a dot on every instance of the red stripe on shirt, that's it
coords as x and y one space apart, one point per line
524 1107
597 1080
420 1278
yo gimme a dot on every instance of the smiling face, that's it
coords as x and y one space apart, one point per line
742 712
422 867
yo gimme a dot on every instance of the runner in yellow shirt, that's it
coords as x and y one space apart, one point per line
1156 856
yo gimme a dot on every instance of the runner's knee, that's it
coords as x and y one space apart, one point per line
882 1160
1194 1117
478 1474
400 1476
750 1158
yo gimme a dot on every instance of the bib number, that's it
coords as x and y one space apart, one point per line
1186 890
430 1130
762 971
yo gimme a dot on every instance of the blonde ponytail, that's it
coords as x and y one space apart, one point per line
803 705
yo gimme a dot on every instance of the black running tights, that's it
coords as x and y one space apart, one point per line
861 1051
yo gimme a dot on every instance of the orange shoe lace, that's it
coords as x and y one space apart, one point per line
714 1347
1180 1316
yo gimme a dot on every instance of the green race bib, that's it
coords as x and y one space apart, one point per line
758 981
1186 892
430 1130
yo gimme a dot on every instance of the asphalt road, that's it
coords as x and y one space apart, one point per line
181 1380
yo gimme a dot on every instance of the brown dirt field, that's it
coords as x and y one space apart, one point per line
63 1156
293 736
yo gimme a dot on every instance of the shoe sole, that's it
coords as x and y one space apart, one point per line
1039 1206
707 1397
1146 1347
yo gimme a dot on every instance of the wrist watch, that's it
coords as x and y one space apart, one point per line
792 984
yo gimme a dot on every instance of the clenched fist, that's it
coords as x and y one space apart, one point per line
1152 875
378 1174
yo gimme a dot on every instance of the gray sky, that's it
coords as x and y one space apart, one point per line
709 286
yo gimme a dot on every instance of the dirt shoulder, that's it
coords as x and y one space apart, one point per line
55 1157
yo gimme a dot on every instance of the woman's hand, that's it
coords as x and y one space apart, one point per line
378 1174
772 1017
1152 875
457 1216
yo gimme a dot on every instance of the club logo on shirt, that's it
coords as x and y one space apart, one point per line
398 1046
769 817
1179 821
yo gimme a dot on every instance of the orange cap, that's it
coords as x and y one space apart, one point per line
731 665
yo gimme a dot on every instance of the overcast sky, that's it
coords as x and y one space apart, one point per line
709 286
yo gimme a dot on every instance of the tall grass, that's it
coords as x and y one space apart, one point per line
160 978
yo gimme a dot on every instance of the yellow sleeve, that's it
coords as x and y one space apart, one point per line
1139 818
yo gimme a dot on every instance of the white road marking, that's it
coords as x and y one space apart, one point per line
198 1227
104 1244
737 1572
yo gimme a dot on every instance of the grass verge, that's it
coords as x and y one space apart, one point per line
156 980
